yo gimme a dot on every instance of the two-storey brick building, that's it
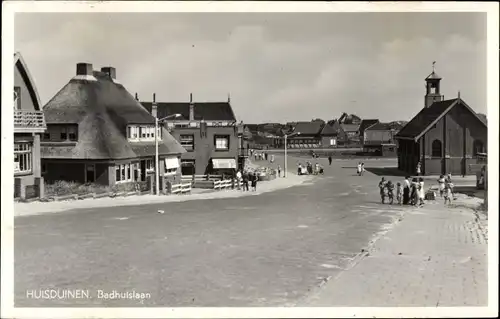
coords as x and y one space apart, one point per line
445 136
97 132
29 124
209 133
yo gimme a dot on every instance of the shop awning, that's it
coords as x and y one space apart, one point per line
224 163
171 162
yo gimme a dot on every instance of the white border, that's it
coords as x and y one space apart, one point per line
7 271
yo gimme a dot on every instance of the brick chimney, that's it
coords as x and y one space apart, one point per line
191 107
110 71
154 108
84 69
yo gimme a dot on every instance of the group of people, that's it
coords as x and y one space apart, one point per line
361 169
245 178
262 156
309 169
413 192
407 193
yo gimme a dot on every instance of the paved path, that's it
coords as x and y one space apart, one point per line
433 257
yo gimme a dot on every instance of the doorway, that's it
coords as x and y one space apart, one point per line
89 173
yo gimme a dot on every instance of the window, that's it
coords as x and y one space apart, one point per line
46 136
142 133
222 142
17 98
22 158
64 133
437 148
124 173
72 133
149 165
136 171
187 141
477 147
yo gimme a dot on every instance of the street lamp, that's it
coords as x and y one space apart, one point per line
157 156
286 137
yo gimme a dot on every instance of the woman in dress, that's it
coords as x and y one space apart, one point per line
421 191
406 191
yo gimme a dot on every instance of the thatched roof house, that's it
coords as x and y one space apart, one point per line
101 114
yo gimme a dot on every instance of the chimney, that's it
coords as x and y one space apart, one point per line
84 69
110 71
191 107
136 96
229 98
459 94
154 108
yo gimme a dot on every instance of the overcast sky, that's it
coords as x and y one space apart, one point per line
276 66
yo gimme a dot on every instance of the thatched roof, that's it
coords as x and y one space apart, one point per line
102 108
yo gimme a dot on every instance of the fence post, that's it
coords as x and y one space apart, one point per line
20 188
40 187
151 183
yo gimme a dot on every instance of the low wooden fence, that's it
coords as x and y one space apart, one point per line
181 188
189 178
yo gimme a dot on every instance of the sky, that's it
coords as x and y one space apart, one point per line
277 67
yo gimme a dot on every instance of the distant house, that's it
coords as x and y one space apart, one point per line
98 133
29 125
209 133
349 133
380 138
304 135
328 135
363 126
445 136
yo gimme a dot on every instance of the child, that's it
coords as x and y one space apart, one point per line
362 169
390 191
381 186
448 193
421 191
441 183
359 169
414 192
279 170
254 181
399 193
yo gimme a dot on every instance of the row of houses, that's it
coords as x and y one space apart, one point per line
94 131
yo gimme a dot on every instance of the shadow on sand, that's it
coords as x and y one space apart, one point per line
386 171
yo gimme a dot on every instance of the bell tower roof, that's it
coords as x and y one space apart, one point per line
433 75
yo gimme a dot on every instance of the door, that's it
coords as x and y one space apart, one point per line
143 170
90 173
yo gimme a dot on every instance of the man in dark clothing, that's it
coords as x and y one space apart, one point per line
330 159
245 181
265 155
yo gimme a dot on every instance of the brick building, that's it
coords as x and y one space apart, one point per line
213 140
445 136
98 133
29 125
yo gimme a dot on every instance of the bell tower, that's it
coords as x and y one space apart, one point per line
433 89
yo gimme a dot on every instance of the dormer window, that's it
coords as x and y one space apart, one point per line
141 133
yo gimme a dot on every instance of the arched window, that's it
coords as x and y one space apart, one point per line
477 147
437 148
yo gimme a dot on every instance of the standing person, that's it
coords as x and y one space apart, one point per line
265 155
390 191
238 179
359 169
279 170
419 169
381 186
414 192
254 181
441 182
421 191
406 191
272 158
448 180
299 169
245 181
316 169
330 160
448 192
303 170
362 169
399 193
